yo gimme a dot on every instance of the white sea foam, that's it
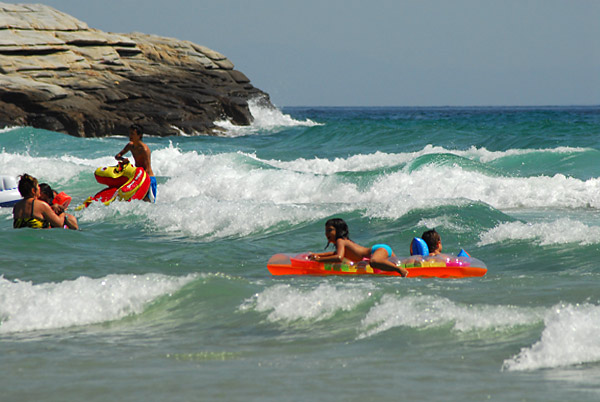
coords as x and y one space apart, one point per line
237 193
227 195
483 155
229 177
9 128
561 231
392 193
301 184
434 311
231 194
380 160
354 163
287 303
28 307
570 337
444 221
46 169
265 119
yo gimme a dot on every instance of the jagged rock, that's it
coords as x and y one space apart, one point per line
57 73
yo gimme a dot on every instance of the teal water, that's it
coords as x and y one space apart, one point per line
173 301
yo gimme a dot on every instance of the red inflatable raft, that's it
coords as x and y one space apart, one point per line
443 266
125 182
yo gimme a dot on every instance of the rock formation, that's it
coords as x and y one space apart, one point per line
58 74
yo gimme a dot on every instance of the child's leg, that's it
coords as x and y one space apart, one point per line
379 260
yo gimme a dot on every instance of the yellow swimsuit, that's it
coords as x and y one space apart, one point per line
31 222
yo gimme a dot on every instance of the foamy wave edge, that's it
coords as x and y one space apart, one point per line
286 303
560 231
434 311
266 118
83 301
570 337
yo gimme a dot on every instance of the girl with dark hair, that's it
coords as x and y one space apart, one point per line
336 231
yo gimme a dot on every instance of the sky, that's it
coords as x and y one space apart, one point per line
380 52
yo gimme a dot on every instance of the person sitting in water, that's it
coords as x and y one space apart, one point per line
59 203
28 213
336 231
433 241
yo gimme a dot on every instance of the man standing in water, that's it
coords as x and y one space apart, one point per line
141 155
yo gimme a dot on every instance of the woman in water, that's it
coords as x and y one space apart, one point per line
28 213
336 231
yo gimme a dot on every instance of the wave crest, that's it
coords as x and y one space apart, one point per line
433 311
569 338
83 301
266 119
561 231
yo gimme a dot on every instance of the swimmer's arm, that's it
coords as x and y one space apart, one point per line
58 209
71 222
334 256
319 256
56 221
126 149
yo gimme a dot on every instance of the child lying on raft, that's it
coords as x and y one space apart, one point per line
336 231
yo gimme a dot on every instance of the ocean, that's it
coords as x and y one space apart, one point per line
173 301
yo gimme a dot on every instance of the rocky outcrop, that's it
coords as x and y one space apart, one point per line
57 73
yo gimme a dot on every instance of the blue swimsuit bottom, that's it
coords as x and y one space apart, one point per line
152 190
384 246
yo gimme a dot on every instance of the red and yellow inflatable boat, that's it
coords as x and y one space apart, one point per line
125 183
442 266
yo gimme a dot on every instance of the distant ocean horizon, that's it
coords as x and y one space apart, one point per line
173 300
549 106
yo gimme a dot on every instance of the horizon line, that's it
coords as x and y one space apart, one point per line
448 106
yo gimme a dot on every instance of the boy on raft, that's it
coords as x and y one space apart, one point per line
336 231
433 241
141 155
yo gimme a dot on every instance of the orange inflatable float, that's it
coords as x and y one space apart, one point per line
441 266
125 183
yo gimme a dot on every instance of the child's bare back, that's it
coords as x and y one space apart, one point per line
352 251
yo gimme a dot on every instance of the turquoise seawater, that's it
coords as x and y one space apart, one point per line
173 301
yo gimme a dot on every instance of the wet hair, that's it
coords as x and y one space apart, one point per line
341 228
138 129
432 238
27 183
47 191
